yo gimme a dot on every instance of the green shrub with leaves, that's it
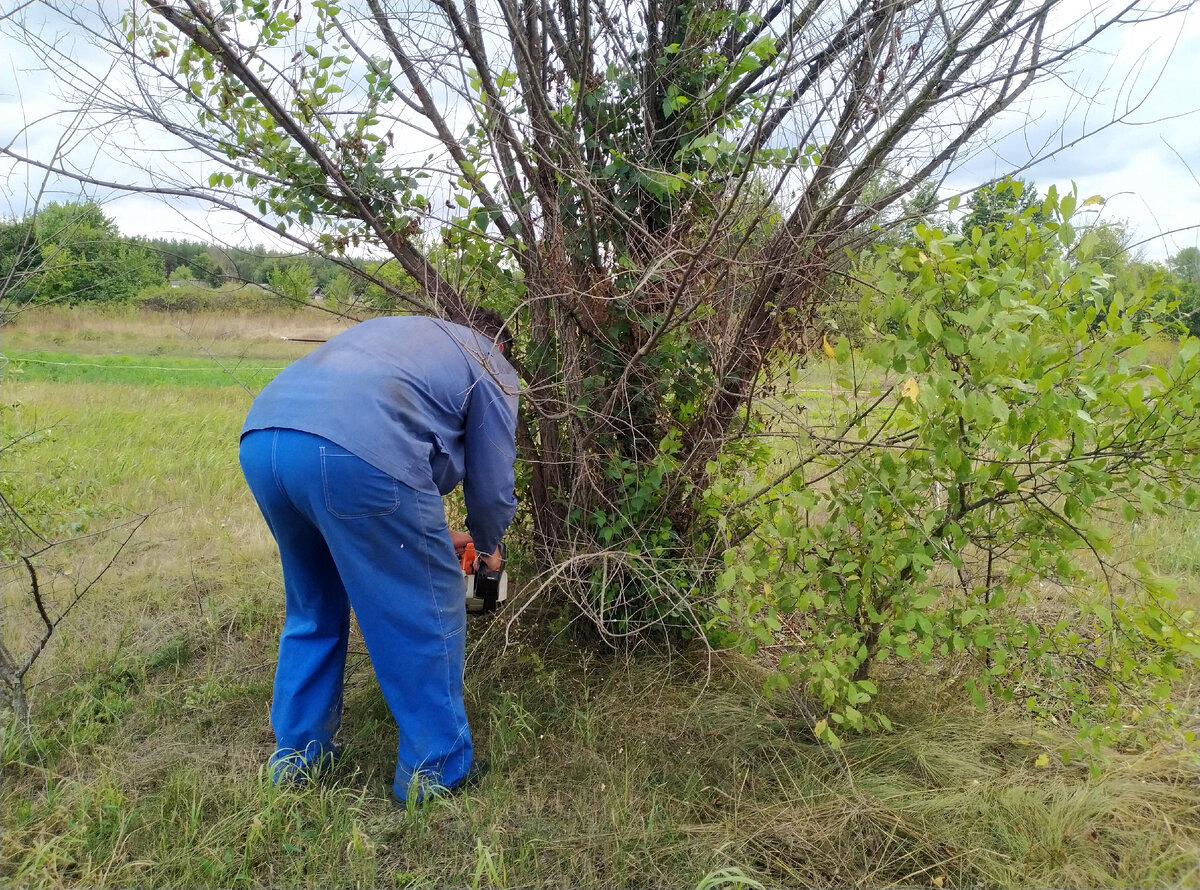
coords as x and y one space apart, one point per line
230 298
72 253
1001 417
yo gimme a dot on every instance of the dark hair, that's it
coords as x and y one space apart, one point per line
491 324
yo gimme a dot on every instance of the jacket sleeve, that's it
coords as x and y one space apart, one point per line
490 451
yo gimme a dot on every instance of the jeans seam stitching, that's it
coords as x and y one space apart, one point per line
463 727
275 473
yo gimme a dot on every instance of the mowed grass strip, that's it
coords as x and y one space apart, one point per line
137 370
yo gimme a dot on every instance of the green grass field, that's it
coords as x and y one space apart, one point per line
69 367
143 764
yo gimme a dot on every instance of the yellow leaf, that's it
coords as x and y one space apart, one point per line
911 389
829 353
922 257
938 881
1094 199
819 729
1042 760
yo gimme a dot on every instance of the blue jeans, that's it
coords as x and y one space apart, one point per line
350 535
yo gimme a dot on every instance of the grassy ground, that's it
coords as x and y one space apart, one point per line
149 731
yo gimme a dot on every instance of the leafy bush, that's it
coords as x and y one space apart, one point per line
72 253
1002 414
232 298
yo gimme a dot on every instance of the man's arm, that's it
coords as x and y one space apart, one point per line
490 451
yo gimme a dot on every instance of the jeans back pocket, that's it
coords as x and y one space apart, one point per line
354 489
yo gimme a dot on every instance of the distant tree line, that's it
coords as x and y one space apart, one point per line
73 253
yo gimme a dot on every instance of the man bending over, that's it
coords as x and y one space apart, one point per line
348 453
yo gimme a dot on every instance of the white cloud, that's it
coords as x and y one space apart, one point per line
1140 87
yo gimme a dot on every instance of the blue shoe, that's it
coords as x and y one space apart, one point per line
289 766
479 769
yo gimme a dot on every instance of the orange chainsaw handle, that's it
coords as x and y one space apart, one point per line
468 559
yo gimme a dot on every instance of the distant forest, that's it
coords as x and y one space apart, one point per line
73 253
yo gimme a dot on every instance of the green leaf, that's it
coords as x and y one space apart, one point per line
673 101
977 698
933 324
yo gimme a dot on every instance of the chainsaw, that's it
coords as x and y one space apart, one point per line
486 589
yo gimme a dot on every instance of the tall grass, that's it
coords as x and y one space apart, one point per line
143 765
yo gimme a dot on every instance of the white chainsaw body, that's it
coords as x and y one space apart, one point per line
475 603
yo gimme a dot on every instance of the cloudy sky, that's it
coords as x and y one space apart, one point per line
1139 87
1144 84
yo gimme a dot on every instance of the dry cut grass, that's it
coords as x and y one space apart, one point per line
201 334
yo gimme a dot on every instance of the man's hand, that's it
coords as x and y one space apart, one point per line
495 562
460 540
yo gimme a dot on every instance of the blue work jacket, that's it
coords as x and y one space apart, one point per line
428 402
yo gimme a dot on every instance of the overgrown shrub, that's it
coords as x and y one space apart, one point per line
1002 414
231 298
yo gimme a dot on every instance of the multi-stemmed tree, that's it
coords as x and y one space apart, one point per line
659 195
